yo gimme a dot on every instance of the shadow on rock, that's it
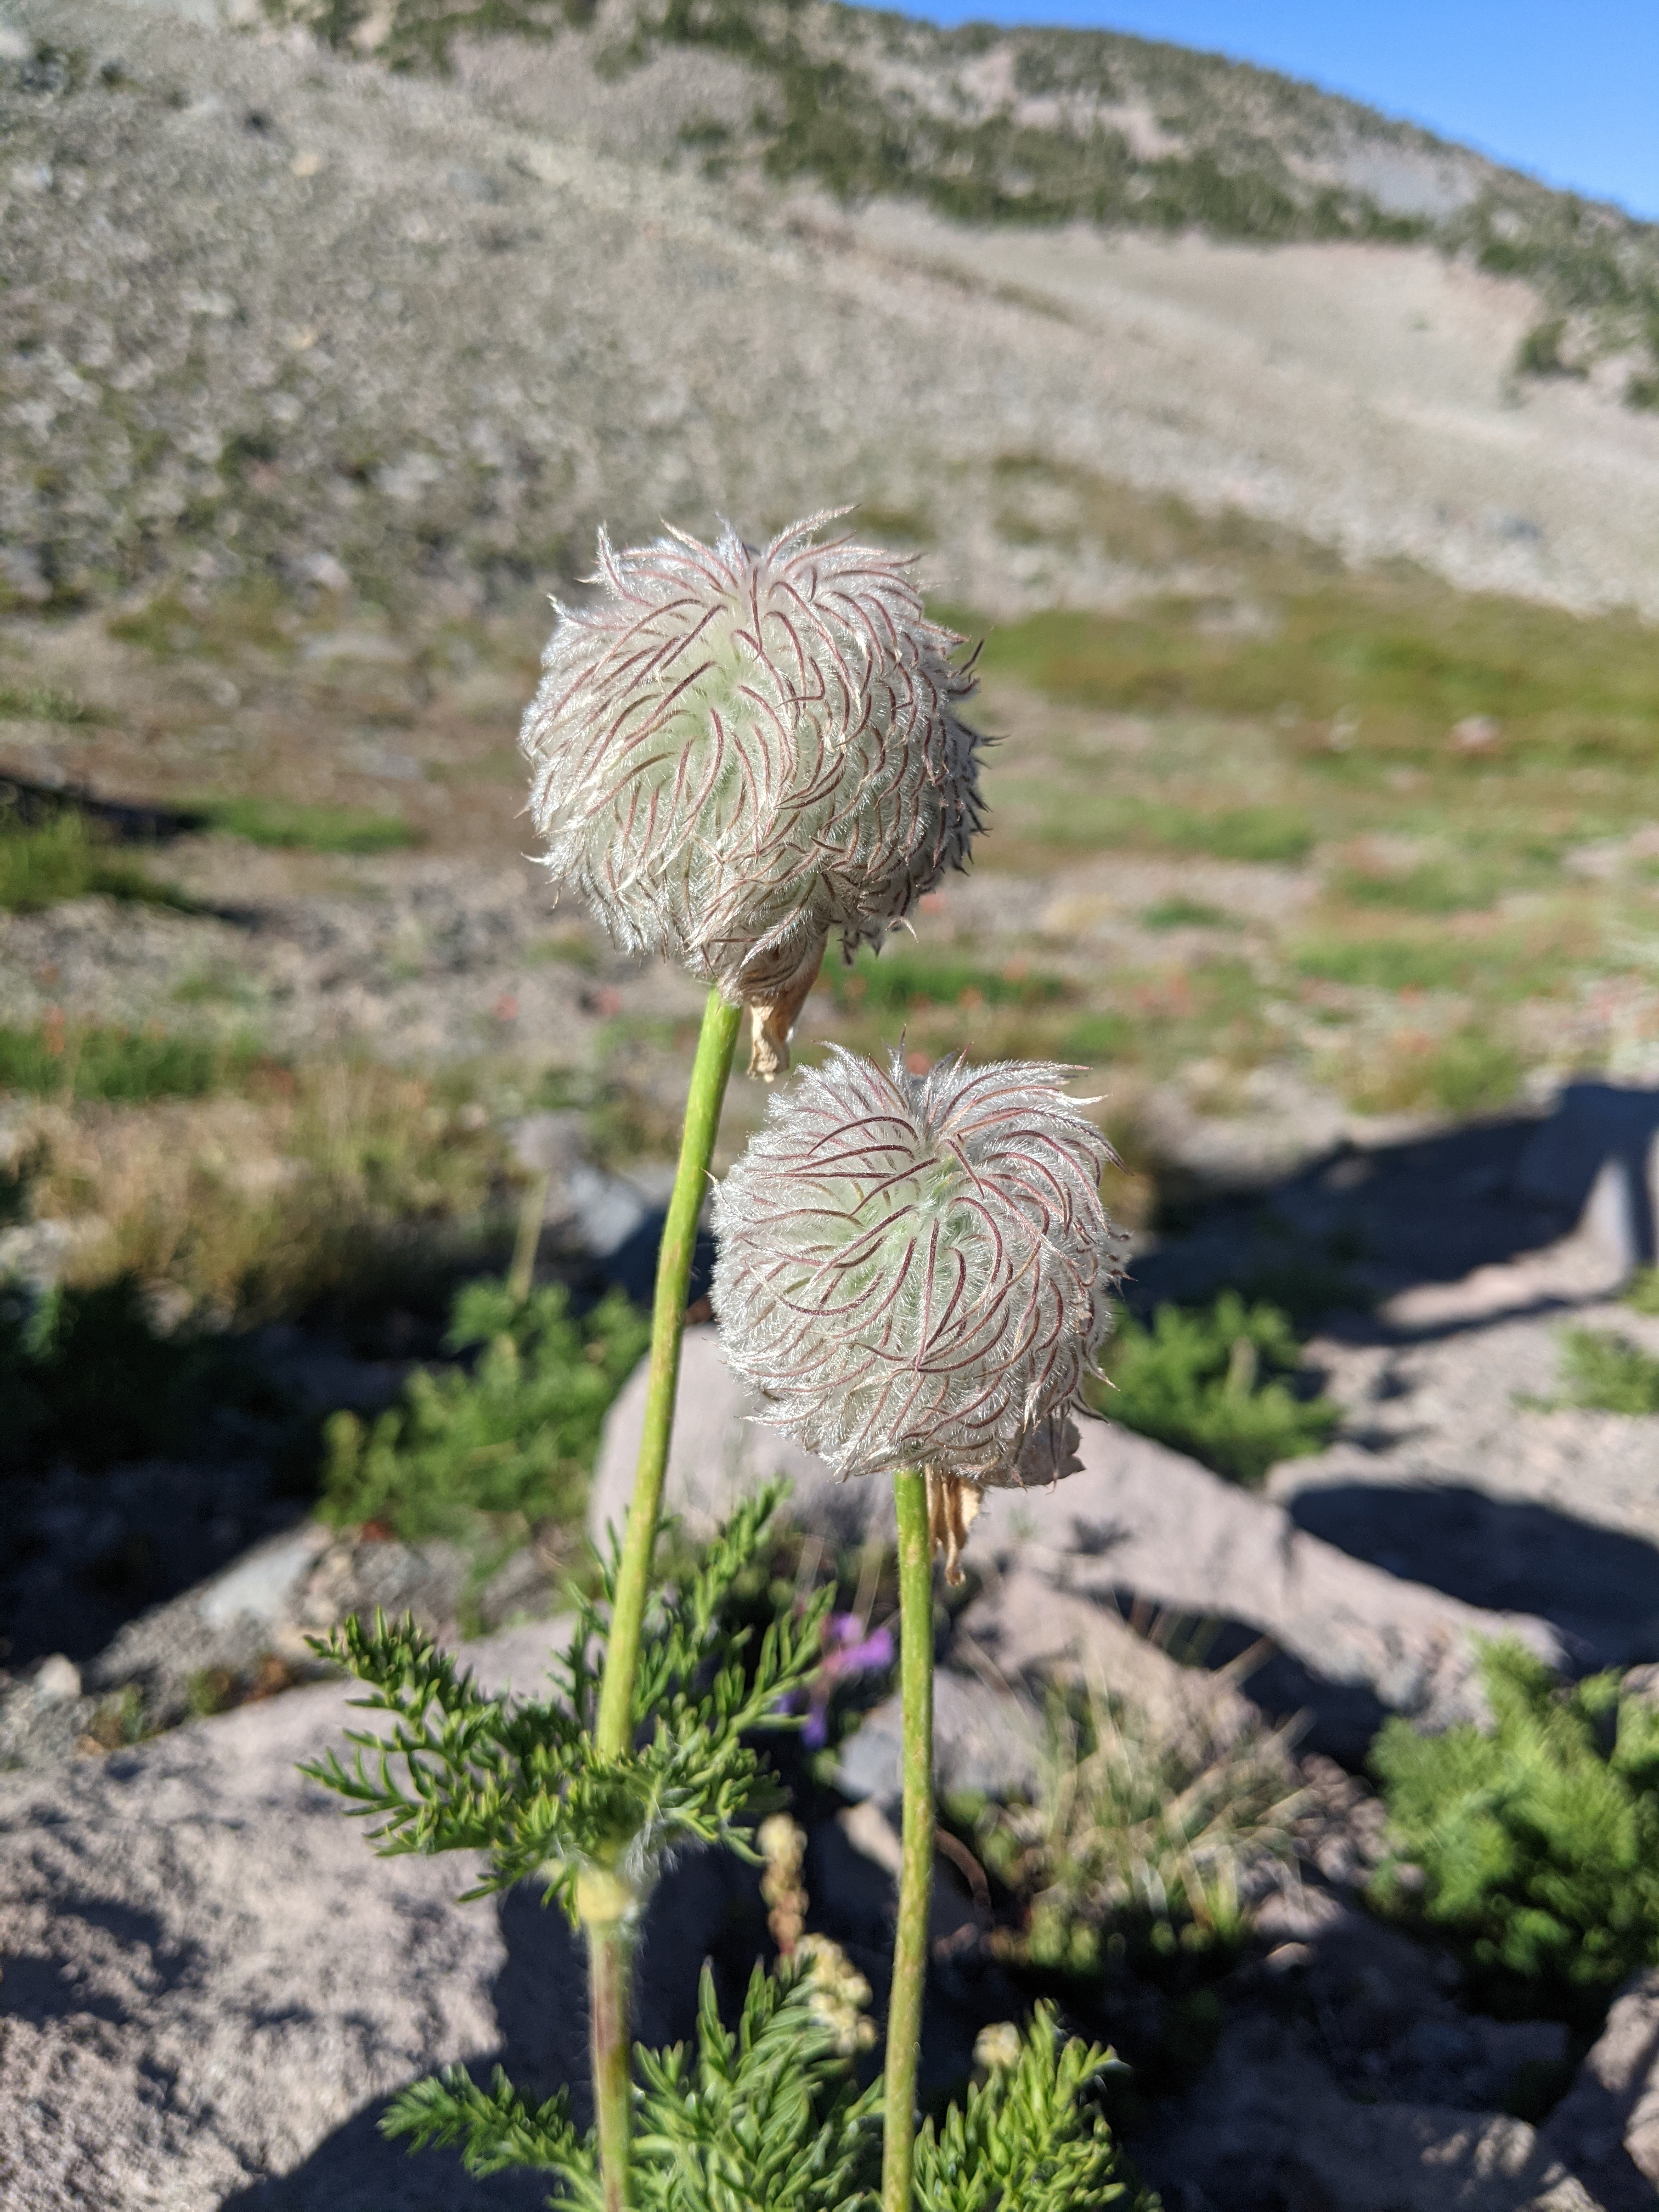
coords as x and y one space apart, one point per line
707 1907
1429 1209
1598 1587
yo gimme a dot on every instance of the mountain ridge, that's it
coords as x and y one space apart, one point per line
334 312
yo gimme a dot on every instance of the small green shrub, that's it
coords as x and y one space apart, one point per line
43 863
288 825
1643 1295
86 1376
128 1066
1536 1840
515 1434
1540 352
1208 1382
1606 1373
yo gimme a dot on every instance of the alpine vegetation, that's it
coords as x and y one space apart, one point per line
916 1271
735 756
738 754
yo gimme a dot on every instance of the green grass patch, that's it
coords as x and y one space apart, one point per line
1123 822
1184 914
1474 1070
898 981
1403 660
1606 1373
41 703
1212 1382
1643 1296
1432 887
1141 1832
55 1059
45 863
1097 1036
286 824
1537 1840
1389 964
514 1434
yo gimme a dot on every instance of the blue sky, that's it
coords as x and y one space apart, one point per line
1569 92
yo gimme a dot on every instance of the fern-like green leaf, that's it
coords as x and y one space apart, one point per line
1029 2139
521 1778
493 2128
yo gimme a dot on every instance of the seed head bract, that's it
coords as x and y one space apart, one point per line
737 753
915 1271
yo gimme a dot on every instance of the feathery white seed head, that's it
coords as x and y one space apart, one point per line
738 754
916 1271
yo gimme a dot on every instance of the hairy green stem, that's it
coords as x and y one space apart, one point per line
720 1024
608 1943
605 1906
915 1564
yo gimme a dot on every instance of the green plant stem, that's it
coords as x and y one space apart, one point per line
720 1024
608 1945
915 1564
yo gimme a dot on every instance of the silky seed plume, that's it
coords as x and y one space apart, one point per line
916 1271
736 755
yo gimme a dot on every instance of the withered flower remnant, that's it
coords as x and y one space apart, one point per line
916 1271
737 753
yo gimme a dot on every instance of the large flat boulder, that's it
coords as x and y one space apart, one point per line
1607 2126
722 1451
1140 1529
211 1984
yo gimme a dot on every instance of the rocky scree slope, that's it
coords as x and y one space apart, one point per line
401 302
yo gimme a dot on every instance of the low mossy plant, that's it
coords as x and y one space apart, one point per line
58 1060
1533 1842
42 864
512 1434
289 825
1216 1382
1605 1373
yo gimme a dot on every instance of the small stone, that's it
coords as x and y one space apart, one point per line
1286 1958
1476 734
57 1680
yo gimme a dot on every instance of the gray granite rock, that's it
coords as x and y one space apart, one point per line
721 1454
211 1984
1139 1525
1606 2127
